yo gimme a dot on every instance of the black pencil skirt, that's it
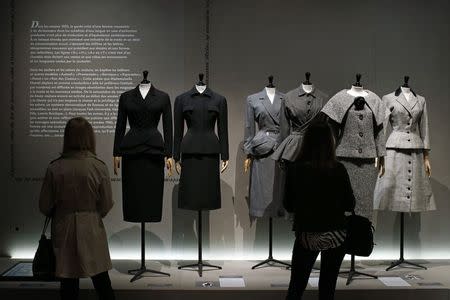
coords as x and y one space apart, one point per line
142 187
199 182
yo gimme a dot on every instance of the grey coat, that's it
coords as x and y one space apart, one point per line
265 195
361 133
409 121
297 111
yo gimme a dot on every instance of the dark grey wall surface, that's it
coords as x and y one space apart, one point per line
249 40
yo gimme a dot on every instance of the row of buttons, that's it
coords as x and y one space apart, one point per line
409 179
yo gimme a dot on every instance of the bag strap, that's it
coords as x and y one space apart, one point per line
47 221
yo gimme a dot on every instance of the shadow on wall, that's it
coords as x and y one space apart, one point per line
422 230
128 240
184 229
222 237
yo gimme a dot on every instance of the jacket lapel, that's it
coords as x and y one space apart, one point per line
413 101
271 109
402 100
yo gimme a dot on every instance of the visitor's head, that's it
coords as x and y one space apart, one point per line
318 147
78 136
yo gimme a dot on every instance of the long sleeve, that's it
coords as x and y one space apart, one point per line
249 126
222 128
47 196
167 128
380 140
121 125
347 196
178 128
285 124
105 201
424 128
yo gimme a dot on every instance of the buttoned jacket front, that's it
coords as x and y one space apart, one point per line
143 115
360 132
409 121
259 110
201 113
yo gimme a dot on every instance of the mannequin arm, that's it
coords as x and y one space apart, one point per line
426 160
116 162
379 164
247 164
224 166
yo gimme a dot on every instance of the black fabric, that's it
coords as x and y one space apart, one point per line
70 287
44 261
142 187
318 198
359 239
302 264
143 116
201 113
199 182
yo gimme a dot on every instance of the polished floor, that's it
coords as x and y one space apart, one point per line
267 282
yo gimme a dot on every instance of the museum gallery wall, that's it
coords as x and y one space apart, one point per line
237 44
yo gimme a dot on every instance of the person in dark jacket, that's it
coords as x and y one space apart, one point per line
76 194
318 192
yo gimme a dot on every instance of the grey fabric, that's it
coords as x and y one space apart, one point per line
409 121
361 133
265 193
259 109
265 197
337 107
405 186
297 111
363 176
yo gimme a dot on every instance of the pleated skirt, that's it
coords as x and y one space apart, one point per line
199 187
142 187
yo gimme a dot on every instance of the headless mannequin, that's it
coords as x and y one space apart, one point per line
357 91
201 87
144 88
406 91
308 88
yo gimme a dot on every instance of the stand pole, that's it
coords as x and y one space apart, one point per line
402 260
270 260
200 264
352 272
143 269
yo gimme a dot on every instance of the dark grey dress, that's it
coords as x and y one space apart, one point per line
360 139
265 187
297 111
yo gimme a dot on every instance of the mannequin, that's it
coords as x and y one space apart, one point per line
307 86
357 117
143 153
200 86
259 143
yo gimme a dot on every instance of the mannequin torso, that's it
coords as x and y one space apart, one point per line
270 93
406 92
357 91
144 88
308 88
200 88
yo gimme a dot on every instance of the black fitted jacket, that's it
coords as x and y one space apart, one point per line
143 116
201 113
318 198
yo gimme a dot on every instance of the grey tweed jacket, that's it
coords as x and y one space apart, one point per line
359 133
409 121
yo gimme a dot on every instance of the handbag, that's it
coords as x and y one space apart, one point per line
44 263
359 240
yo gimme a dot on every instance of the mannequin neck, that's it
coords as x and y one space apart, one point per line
200 88
406 91
357 91
270 93
144 88
308 88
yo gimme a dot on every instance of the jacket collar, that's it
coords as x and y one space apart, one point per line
302 92
150 92
408 105
194 92
272 108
